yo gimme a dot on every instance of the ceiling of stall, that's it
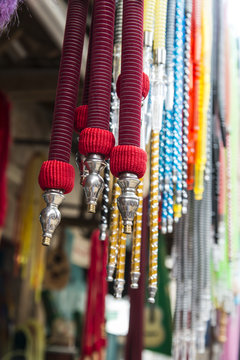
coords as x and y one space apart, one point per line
30 50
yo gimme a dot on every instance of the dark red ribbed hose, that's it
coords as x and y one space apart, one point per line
68 81
101 65
131 73
88 66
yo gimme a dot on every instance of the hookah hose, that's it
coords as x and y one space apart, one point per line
57 175
121 255
127 156
114 218
160 24
196 54
128 160
204 94
178 106
148 24
96 137
148 15
136 241
228 151
68 82
186 99
157 103
113 234
166 134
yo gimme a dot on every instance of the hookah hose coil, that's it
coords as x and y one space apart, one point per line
101 65
148 17
68 81
160 24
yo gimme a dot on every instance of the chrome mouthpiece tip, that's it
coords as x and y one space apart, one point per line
151 300
127 229
134 280
110 272
46 241
118 287
91 208
152 293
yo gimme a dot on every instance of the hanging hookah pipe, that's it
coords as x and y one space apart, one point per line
196 54
228 150
158 96
96 141
114 126
81 111
178 107
56 176
215 111
204 95
148 24
166 145
128 160
186 100
118 238
148 28
114 220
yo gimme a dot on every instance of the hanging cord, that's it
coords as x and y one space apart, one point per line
153 230
178 107
127 156
136 241
204 94
195 267
186 295
177 233
148 21
166 134
114 113
195 57
190 334
228 152
157 97
113 235
120 269
188 24
207 204
116 67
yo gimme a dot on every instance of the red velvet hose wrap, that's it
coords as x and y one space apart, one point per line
96 141
68 81
56 175
101 65
128 158
131 73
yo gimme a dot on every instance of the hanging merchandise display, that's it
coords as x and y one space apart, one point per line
158 131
